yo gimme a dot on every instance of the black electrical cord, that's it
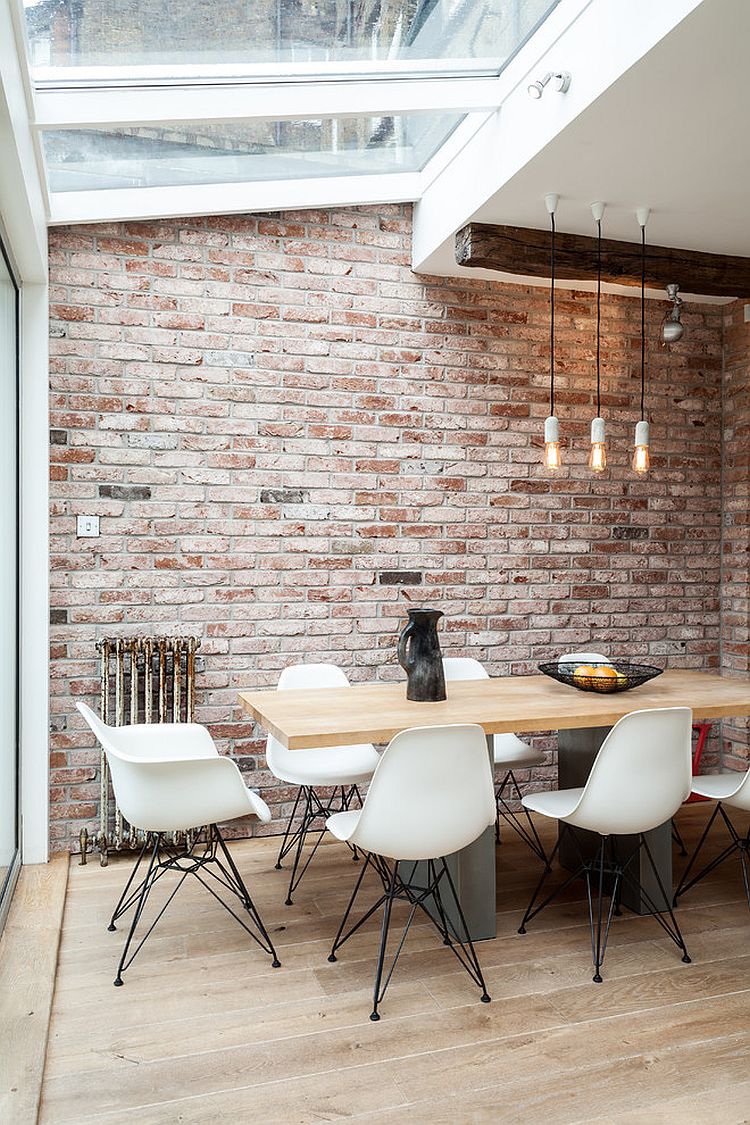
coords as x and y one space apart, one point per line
598 319
552 321
643 320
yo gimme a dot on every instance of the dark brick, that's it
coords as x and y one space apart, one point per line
282 496
400 578
58 437
630 533
124 491
58 617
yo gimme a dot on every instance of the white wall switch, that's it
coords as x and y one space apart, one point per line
87 527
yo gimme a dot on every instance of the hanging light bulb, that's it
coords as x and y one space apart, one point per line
598 453
552 459
641 459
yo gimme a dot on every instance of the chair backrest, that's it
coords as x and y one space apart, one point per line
577 658
463 668
430 795
300 676
641 775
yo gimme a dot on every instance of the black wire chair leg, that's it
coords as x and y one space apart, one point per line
596 946
118 910
339 939
528 834
743 846
598 939
145 888
684 885
677 838
388 904
531 909
284 849
466 942
675 933
243 894
744 865
302 832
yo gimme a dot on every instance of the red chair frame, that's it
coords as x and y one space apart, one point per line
702 730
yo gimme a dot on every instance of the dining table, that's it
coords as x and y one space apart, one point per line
533 704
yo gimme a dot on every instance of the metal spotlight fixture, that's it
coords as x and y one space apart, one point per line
672 328
560 81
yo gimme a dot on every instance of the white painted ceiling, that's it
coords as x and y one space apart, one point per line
673 134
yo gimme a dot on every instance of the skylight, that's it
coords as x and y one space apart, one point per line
148 95
282 35
200 153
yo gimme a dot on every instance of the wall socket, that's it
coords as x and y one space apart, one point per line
87 527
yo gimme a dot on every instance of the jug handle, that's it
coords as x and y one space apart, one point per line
403 640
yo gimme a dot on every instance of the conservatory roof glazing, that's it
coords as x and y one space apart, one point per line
155 94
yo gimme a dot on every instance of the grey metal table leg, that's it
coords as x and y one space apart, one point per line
576 752
473 873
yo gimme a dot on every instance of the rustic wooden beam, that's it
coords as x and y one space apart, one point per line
525 251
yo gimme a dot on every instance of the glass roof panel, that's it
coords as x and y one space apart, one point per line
285 34
198 153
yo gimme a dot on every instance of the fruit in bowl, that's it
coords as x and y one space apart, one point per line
601 677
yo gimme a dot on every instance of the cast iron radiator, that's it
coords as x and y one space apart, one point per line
142 680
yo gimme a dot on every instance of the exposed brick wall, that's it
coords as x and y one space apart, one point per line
736 520
289 436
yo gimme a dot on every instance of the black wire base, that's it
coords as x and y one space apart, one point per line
427 898
608 871
525 827
740 844
677 838
206 856
315 808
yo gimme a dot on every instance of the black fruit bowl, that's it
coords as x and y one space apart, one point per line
628 675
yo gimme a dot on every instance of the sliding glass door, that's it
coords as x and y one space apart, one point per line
9 805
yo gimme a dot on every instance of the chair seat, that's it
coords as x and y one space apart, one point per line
556 803
717 786
336 765
342 824
510 750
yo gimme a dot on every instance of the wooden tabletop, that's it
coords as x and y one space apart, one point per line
523 704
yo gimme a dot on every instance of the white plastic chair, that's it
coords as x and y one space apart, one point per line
510 753
431 795
732 789
169 778
639 778
576 658
341 768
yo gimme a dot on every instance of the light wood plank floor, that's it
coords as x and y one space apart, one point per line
205 1031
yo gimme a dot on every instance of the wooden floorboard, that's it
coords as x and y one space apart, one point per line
28 960
204 1030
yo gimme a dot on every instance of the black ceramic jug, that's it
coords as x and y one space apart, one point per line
420 656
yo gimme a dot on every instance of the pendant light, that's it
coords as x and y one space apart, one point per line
551 426
641 460
598 454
